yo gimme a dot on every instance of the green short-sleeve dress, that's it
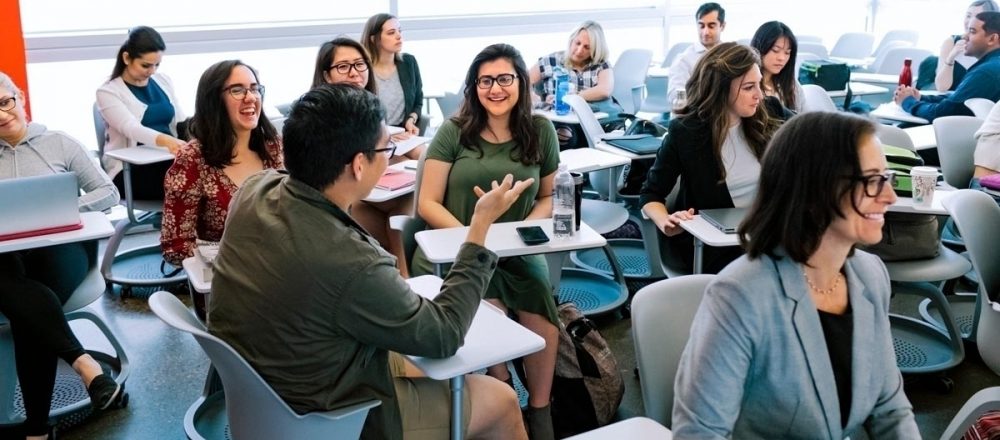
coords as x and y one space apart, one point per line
521 283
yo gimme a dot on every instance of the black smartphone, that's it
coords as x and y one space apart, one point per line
532 235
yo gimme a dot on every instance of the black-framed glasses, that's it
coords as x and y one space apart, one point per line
345 68
7 104
389 151
503 80
875 183
240 91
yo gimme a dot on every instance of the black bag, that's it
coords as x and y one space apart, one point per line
587 387
828 74
907 237
646 138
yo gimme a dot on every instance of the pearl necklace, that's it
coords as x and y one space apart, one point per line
823 292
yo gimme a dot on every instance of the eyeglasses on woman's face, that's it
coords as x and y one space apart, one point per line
7 103
240 91
875 183
503 80
345 68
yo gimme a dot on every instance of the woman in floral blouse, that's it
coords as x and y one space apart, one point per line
232 139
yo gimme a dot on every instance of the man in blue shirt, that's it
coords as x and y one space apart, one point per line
981 81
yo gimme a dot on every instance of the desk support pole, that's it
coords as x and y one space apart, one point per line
438 269
612 184
699 250
457 383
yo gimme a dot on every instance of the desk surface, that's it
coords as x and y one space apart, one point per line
923 137
892 111
604 146
441 245
585 160
199 274
875 78
492 339
905 204
381 195
859 89
141 155
709 234
636 428
569 118
95 226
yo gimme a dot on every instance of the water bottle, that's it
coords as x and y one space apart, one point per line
562 89
906 75
680 101
563 205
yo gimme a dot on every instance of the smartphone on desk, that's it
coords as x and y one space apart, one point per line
532 235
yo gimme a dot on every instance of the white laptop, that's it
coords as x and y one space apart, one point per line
39 205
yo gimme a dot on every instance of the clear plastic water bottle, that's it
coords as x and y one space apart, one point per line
562 89
563 203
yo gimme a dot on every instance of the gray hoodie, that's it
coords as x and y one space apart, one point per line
48 152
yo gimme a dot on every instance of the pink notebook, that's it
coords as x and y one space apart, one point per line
393 180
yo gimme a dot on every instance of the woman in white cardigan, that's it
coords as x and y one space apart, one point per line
139 107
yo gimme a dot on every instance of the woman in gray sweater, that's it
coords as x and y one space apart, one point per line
34 284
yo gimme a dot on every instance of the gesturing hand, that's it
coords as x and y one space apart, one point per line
491 205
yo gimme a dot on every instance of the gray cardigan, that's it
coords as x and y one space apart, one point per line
757 365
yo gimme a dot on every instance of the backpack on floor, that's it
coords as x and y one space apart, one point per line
588 387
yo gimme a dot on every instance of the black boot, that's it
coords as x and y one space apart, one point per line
539 423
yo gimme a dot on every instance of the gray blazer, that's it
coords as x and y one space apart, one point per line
757 365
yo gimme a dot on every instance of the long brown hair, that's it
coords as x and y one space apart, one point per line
472 118
709 98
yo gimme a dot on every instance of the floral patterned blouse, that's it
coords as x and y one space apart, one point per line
197 199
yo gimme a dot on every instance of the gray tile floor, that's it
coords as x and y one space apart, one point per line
168 371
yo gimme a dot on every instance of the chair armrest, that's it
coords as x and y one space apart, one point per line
985 400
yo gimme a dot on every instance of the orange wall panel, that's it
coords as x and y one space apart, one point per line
12 57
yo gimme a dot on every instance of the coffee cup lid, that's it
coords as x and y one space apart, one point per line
923 171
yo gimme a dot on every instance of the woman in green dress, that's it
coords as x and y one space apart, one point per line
494 134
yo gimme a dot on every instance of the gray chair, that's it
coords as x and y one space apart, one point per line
817 49
856 45
956 145
899 37
674 52
977 216
817 99
662 314
891 60
980 107
894 136
69 397
100 129
630 77
809 39
254 410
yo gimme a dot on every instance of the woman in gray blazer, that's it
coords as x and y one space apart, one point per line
792 340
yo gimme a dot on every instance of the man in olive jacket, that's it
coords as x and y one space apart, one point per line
315 305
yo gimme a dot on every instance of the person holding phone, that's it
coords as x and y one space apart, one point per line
494 134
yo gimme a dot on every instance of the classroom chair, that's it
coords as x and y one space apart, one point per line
980 107
856 45
898 38
630 78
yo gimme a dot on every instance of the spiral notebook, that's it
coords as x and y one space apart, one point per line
393 180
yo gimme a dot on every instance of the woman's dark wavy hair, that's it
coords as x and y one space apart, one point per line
141 40
210 124
808 170
472 116
324 61
763 40
709 98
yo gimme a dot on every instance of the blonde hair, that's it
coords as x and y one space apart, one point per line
598 44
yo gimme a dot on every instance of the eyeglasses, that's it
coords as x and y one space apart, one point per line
345 68
503 80
7 104
389 151
876 182
239 91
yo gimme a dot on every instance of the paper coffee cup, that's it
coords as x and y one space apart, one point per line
924 180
